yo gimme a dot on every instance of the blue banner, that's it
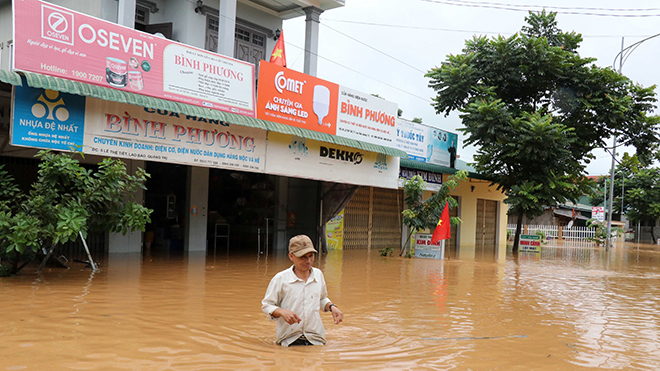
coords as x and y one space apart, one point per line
47 119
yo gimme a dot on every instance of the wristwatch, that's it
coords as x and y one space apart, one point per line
330 307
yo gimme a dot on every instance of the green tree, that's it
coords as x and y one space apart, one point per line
66 199
421 215
642 196
535 110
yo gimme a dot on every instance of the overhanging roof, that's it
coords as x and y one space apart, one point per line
569 214
35 80
460 165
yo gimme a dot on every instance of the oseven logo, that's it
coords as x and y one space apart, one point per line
57 25
57 22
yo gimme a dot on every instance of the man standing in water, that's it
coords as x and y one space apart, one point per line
295 296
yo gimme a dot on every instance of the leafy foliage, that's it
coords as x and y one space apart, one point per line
600 237
421 215
535 110
65 200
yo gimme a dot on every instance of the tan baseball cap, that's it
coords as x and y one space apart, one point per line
301 245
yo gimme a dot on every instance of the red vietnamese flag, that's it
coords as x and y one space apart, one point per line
443 230
278 56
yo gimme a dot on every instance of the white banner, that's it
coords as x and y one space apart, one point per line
304 158
122 130
412 137
363 117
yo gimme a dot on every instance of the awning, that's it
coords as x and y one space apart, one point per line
460 165
569 214
35 80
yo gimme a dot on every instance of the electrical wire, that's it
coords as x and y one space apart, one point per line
511 8
372 48
556 7
480 32
360 73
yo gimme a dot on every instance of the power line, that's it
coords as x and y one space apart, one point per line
555 7
367 76
372 48
400 26
510 7
358 72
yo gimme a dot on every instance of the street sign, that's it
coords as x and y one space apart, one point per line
598 213
530 243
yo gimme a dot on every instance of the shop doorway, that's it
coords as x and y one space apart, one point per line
486 231
166 196
241 212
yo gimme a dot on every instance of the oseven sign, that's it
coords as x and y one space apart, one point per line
56 41
530 243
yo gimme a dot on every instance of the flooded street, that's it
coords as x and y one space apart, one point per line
570 308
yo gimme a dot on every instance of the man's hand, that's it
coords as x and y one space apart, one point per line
337 315
288 316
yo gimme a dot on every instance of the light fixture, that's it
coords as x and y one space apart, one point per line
200 7
472 188
277 34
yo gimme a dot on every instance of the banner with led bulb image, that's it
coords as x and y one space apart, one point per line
296 99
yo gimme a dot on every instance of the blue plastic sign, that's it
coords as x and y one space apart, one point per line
47 119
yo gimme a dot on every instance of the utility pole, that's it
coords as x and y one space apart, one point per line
609 210
622 56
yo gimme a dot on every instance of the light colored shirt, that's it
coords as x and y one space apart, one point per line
305 299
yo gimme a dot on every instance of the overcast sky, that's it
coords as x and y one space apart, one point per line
384 47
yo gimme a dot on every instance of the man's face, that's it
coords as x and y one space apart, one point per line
303 263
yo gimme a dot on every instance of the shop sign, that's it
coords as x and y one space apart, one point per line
55 41
598 213
296 99
441 148
126 131
47 119
305 158
426 144
433 180
424 248
411 138
530 243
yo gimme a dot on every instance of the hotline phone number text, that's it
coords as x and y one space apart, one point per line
85 75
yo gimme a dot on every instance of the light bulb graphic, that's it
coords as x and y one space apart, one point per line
321 102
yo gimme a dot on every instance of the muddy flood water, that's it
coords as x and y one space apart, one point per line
570 308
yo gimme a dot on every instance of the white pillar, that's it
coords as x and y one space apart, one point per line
311 39
126 13
226 27
197 199
131 241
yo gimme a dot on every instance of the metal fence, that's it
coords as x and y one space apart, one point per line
554 231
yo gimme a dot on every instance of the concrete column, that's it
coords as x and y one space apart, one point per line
282 188
197 199
311 39
126 13
131 241
226 27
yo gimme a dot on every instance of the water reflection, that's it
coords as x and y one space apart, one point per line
571 307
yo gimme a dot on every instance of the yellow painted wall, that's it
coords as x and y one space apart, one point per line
468 213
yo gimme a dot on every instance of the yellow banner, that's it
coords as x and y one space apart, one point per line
334 232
